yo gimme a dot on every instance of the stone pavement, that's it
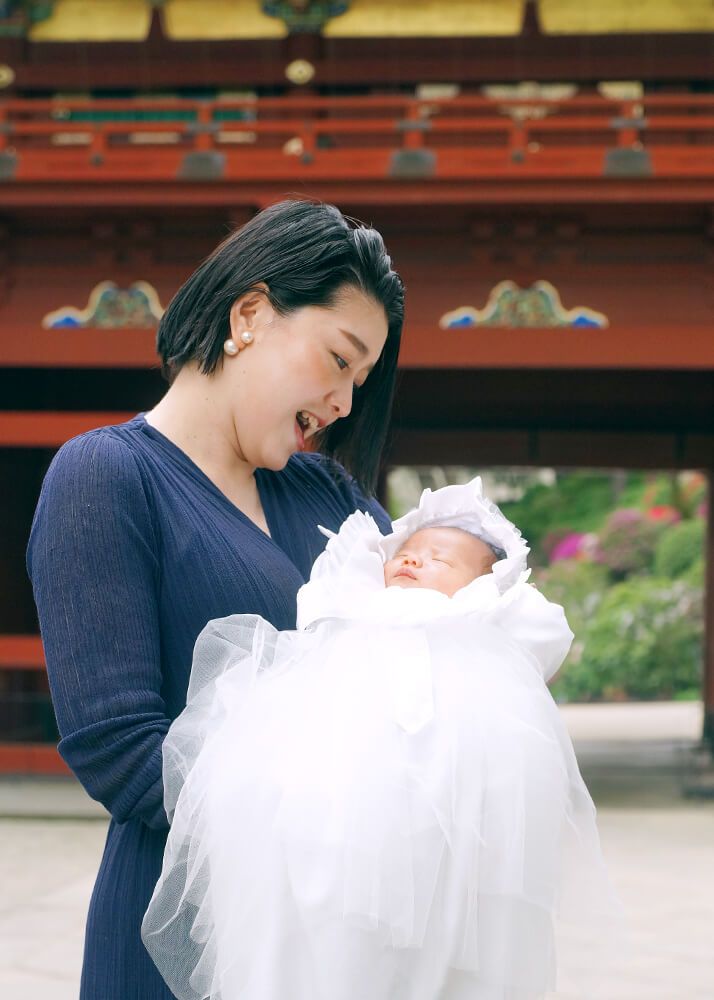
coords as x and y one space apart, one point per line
659 845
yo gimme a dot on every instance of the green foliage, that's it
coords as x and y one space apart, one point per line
578 586
581 501
643 641
688 694
685 491
578 502
679 548
627 543
695 574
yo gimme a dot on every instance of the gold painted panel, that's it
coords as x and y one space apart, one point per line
428 19
575 17
219 20
94 21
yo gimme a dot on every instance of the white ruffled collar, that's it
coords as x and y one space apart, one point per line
347 579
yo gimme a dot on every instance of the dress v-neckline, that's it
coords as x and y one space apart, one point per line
178 453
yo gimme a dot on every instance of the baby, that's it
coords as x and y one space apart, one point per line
383 803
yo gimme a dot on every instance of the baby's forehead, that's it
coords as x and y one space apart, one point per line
442 536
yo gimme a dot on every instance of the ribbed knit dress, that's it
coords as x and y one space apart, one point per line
133 549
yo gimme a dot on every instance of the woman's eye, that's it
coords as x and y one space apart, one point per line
341 363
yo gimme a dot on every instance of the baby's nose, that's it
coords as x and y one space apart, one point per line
411 560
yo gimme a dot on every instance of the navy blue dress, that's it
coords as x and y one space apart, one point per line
133 549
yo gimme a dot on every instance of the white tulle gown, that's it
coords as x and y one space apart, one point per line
384 803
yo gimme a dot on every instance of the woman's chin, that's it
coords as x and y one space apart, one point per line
276 459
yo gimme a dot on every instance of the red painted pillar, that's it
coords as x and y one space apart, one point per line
708 692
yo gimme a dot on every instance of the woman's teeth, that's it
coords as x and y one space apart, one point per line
307 421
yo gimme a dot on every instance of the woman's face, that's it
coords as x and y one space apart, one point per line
299 373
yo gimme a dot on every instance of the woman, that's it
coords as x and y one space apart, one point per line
285 338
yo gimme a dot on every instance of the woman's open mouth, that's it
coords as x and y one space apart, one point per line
308 421
307 425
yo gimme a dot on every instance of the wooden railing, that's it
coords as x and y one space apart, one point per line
355 138
24 652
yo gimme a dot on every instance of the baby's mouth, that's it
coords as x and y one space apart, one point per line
406 572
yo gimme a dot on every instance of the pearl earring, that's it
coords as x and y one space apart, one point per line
230 346
247 337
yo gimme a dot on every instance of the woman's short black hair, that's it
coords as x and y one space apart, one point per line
305 252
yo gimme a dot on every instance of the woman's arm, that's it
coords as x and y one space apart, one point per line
94 570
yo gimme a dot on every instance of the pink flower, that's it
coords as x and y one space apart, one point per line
568 548
623 516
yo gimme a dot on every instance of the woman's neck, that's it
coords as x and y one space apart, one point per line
192 416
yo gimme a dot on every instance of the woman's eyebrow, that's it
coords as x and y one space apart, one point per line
355 341
358 344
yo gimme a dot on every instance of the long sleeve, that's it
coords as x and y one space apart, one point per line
93 565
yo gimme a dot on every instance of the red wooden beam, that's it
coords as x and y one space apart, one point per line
517 156
31 758
667 346
21 652
40 429
24 346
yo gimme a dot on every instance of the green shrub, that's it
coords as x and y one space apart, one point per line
695 574
627 543
578 501
679 548
578 586
644 641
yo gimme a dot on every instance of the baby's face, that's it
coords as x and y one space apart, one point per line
443 559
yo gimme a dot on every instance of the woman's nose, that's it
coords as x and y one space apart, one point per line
341 401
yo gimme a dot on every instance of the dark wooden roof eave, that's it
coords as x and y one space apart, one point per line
376 62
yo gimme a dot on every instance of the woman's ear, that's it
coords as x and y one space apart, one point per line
251 312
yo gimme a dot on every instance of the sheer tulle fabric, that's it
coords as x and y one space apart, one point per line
374 812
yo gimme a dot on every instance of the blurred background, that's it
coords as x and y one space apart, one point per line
543 174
